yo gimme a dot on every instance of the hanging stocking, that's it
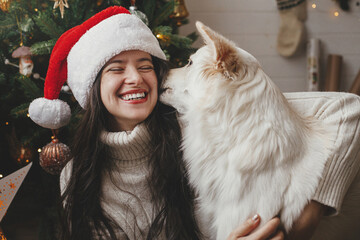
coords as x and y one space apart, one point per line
291 34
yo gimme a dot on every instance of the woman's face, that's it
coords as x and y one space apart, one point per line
128 89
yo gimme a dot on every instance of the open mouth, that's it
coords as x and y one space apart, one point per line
133 96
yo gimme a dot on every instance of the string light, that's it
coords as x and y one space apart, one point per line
336 13
313 5
1 175
28 115
39 150
6 123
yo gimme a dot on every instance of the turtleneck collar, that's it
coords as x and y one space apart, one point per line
131 147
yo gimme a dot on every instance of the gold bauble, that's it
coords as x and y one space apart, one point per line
5 5
180 11
54 156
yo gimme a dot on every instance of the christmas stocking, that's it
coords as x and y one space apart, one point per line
292 31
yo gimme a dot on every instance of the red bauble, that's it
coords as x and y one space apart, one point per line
54 156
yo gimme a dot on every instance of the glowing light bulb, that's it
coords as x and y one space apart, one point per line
313 5
39 150
336 13
1 175
28 115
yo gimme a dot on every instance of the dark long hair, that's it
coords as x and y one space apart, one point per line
83 216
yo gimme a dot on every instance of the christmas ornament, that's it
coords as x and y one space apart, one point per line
180 12
24 156
5 5
54 156
19 152
133 10
26 65
35 75
9 186
61 4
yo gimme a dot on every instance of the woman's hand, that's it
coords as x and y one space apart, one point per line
268 231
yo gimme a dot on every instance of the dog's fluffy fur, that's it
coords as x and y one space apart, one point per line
247 151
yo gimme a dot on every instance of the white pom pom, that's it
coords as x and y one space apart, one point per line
36 75
51 114
65 88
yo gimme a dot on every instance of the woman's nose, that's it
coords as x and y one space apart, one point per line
133 76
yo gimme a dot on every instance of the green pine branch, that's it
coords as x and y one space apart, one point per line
7 26
149 7
47 25
43 48
163 13
180 41
31 91
20 111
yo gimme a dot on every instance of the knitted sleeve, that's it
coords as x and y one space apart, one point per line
341 112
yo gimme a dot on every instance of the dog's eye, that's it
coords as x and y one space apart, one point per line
189 62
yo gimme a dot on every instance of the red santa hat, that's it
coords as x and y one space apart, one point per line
81 52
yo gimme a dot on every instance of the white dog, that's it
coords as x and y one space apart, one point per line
247 151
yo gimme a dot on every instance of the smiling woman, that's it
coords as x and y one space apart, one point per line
129 89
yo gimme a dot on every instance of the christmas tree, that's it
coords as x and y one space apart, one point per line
28 31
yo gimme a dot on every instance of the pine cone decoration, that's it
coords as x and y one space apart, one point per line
54 156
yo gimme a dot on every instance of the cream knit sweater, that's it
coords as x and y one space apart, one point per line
125 194
126 197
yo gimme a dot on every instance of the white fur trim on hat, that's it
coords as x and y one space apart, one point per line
51 114
99 44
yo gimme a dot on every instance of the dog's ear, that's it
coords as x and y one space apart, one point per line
225 51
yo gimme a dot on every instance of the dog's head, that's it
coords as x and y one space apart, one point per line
218 63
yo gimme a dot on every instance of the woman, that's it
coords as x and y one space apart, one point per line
126 179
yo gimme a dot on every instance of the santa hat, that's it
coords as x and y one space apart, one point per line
81 52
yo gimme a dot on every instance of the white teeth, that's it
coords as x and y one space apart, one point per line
133 96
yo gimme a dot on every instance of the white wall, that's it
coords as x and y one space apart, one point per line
254 24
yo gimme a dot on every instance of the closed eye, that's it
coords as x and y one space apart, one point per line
116 69
190 62
145 69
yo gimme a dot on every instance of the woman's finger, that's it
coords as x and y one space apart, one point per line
278 236
267 230
245 228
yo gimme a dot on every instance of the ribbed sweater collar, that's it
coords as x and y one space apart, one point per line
130 147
